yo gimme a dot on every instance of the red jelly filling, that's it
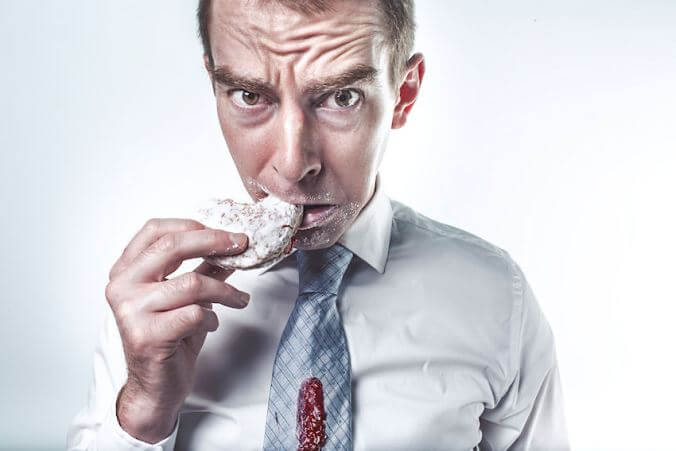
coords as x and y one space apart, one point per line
310 427
288 248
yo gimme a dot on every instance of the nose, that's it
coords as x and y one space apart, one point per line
295 159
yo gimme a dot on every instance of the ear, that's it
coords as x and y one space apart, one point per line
409 89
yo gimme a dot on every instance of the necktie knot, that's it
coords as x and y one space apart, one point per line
322 270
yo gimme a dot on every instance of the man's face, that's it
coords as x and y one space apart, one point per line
305 106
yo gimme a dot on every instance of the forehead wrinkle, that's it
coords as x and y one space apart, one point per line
347 55
287 45
245 26
293 34
331 52
232 33
294 59
334 26
281 50
285 74
328 36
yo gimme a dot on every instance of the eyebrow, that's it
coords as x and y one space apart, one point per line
358 73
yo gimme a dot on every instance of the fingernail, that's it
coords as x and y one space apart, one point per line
240 240
243 298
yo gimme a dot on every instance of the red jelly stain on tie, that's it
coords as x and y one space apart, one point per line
290 245
310 427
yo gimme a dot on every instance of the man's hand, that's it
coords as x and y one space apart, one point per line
163 323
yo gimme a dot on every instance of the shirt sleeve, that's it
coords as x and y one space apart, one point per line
529 416
95 426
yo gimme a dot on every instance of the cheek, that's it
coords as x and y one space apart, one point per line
361 145
248 146
353 156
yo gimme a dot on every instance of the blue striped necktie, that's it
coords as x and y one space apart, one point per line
313 344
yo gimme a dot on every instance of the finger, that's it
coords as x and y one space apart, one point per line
166 254
196 341
190 288
213 271
151 231
183 322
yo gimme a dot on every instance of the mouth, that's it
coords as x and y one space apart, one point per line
316 215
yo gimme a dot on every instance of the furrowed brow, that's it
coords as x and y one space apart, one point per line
224 76
360 73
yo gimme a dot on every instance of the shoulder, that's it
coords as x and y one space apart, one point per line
439 243
459 257
466 276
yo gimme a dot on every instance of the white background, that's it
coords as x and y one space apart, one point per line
545 127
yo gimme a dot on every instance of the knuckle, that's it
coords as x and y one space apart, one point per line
194 314
124 311
113 293
169 288
152 225
190 283
166 244
191 224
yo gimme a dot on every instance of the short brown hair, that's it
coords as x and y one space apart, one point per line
399 18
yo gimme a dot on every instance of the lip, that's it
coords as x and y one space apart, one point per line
260 195
316 216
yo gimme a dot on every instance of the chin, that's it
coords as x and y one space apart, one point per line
316 238
328 234
322 236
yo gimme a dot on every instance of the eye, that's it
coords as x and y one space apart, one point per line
342 99
244 98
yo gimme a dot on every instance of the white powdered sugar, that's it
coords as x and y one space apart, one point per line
270 224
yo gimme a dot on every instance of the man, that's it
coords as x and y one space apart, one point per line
444 343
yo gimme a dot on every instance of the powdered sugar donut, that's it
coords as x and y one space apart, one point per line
270 225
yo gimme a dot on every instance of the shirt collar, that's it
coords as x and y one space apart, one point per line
368 237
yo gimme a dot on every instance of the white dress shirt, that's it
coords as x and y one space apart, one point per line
448 346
